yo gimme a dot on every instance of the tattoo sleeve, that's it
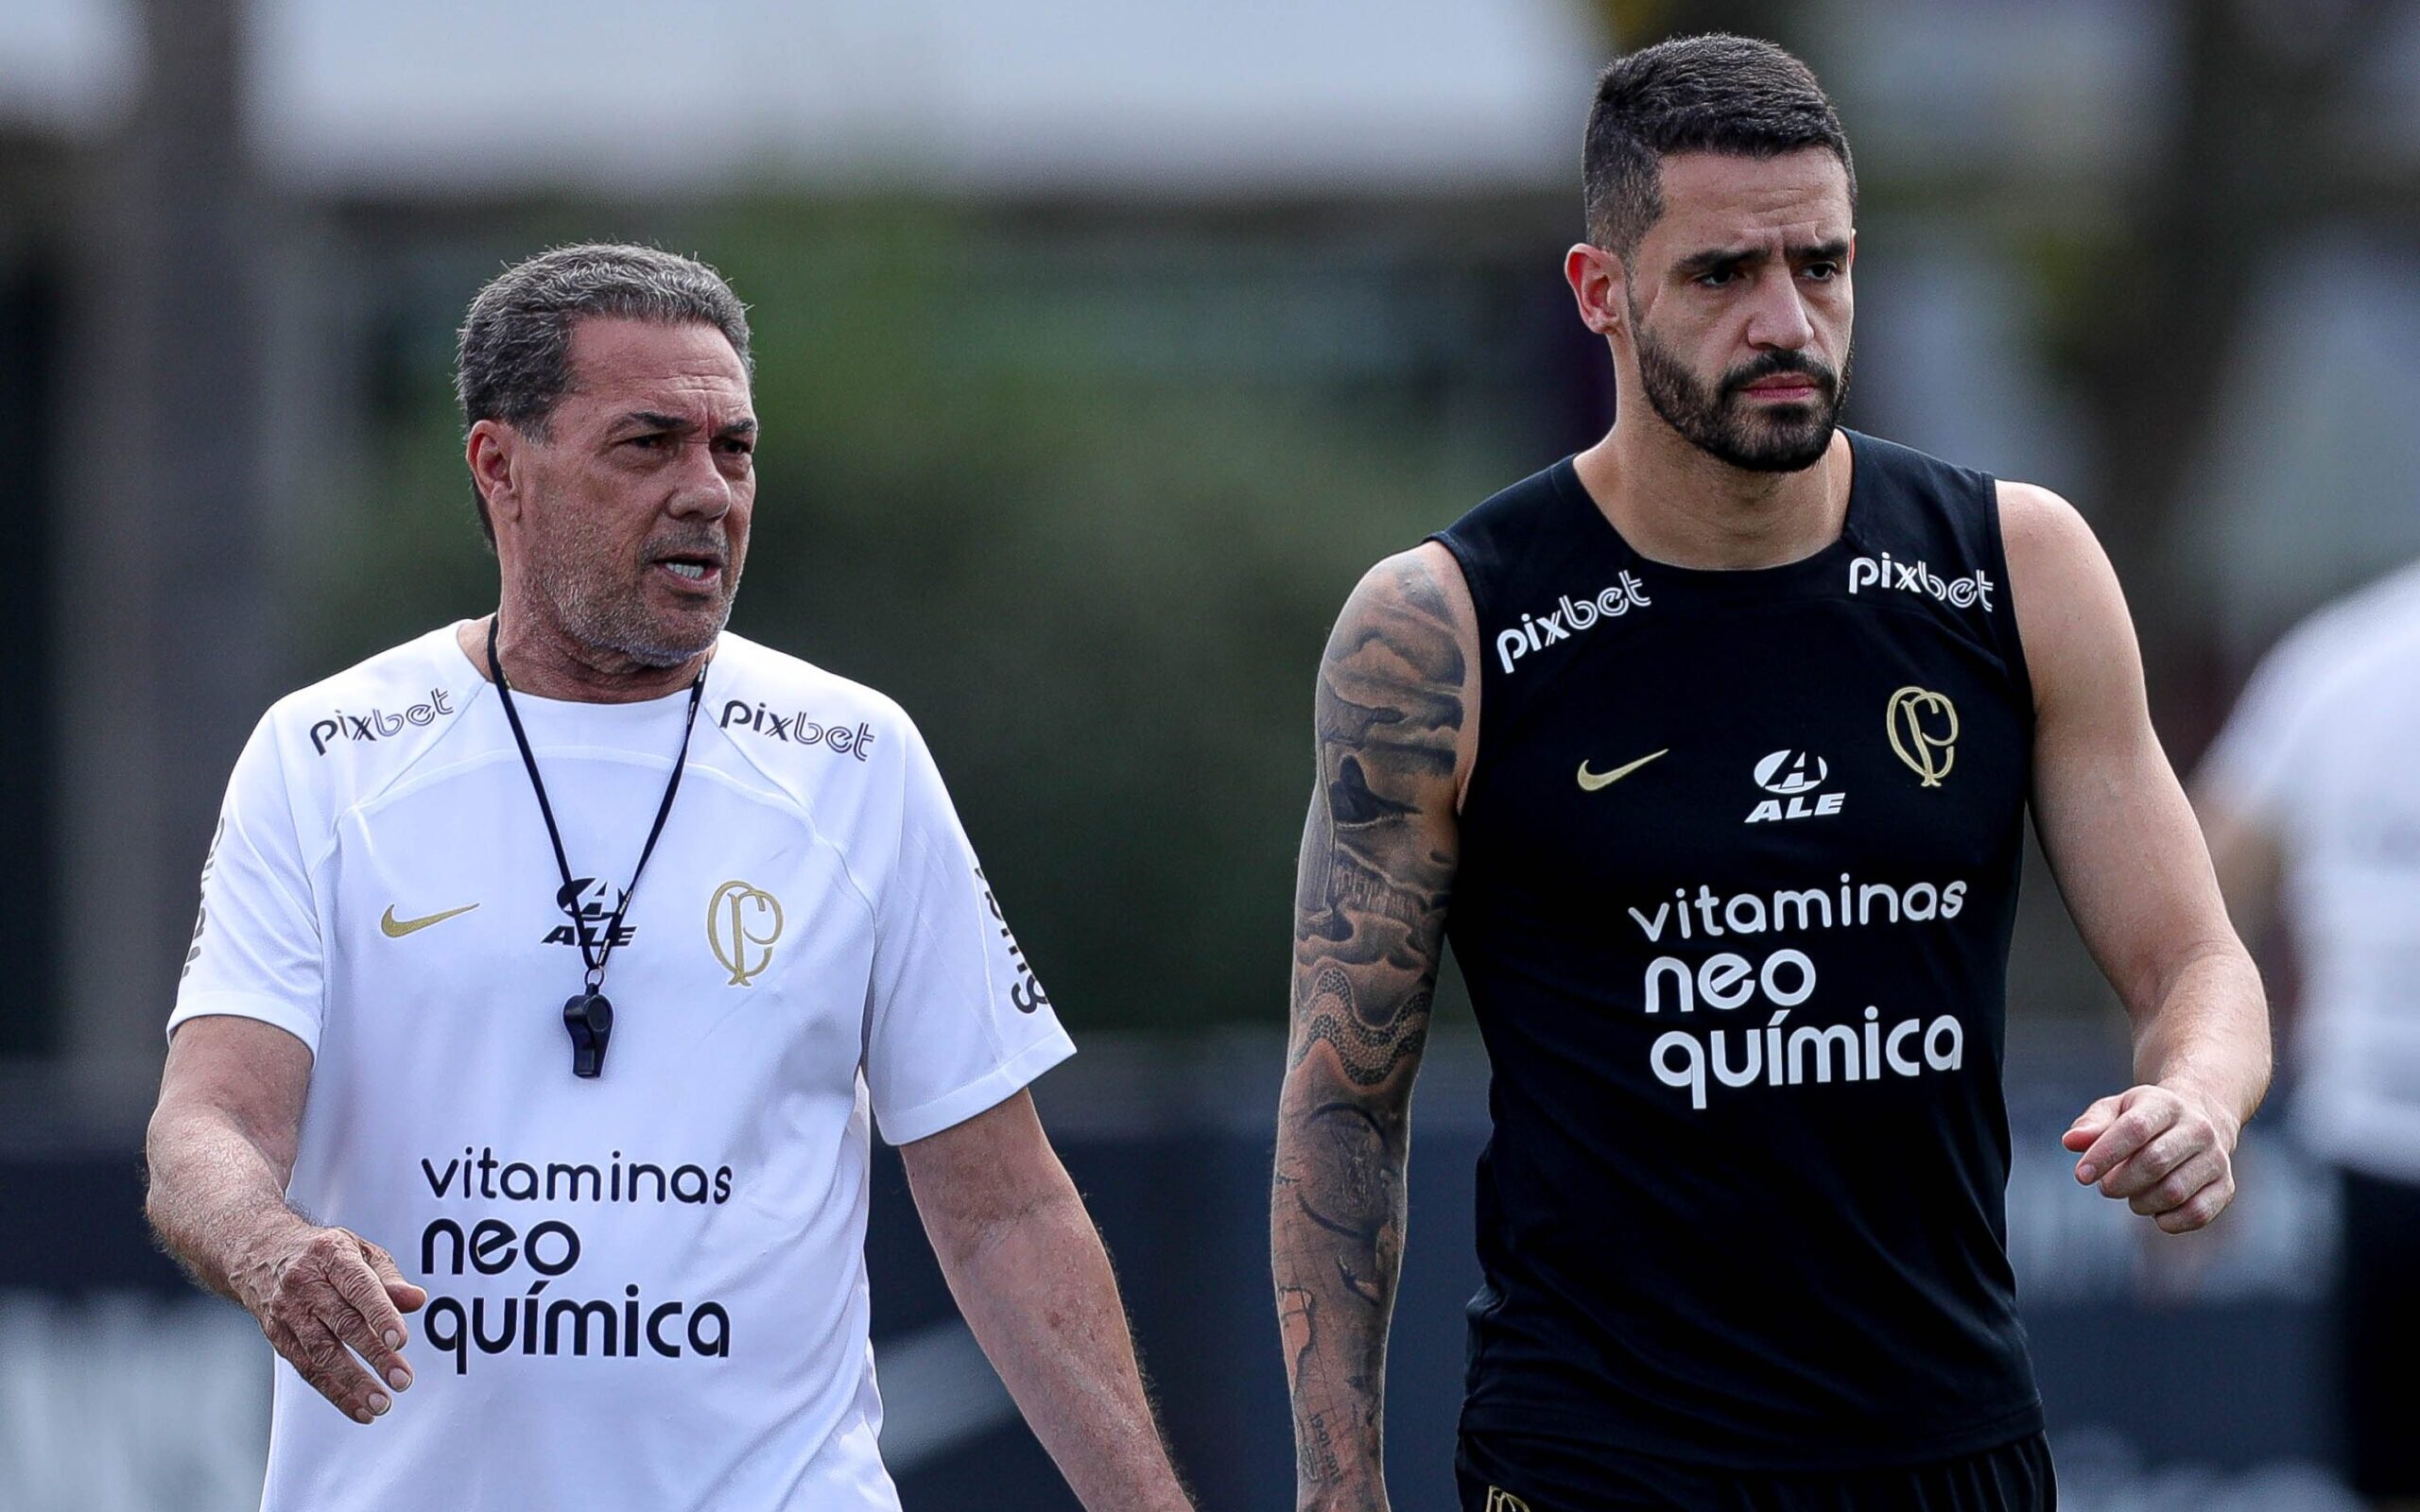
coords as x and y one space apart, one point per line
1377 862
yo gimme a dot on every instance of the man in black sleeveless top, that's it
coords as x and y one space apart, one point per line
1730 867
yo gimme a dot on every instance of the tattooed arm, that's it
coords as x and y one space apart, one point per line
1397 720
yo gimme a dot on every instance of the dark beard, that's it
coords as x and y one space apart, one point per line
1716 420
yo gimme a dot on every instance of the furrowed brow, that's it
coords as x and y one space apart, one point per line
1715 260
1835 250
653 420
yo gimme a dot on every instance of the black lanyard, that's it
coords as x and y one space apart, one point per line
587 1015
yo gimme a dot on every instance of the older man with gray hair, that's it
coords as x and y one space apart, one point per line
553 970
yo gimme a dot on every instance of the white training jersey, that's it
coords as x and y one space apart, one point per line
647 1291
2322 750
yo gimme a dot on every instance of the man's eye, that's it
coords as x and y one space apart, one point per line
1720 278
651 442
1823 272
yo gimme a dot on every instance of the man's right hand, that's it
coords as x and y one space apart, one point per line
324 1297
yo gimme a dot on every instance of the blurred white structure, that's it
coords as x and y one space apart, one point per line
641 98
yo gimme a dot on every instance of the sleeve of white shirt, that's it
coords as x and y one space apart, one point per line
2253 764
956 1022
256 950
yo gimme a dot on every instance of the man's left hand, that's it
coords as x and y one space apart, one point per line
2169 1152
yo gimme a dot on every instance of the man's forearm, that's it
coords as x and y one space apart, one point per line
1336 1239
1380 851
2207 1032
212 1197
2166 1145
1037 1289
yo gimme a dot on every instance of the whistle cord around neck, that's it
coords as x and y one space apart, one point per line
589 1016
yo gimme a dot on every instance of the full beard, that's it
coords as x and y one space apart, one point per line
1717 419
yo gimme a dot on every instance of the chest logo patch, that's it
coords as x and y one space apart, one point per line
742 923
1922 727
394 928
589 905
1792 777
1590 782
1568 618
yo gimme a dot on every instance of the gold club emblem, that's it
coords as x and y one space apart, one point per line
1500 1499
1922 727
742 923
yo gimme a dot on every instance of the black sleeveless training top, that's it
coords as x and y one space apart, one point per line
1738 866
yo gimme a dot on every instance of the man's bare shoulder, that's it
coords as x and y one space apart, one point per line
2071 615
2041 530
1405 651
1425 581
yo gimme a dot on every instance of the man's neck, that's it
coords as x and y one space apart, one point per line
1674 504
545 664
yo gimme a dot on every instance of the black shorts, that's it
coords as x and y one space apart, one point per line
1503 1473
2379 1335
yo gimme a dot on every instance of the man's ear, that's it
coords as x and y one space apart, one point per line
1598 285
494 451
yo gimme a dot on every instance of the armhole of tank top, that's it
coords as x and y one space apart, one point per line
2010 639
1478 618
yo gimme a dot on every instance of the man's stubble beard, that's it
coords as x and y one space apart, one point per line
602 615
1715 418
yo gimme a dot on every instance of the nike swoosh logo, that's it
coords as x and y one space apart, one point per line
394 928
1590 782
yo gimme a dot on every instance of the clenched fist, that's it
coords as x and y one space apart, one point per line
2169 1152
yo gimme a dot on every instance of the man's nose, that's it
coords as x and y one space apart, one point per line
699 488
1778 320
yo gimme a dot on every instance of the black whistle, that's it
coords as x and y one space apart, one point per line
589 1019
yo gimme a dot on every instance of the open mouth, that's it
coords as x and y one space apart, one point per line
693 570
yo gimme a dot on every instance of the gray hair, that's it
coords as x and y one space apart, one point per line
514 353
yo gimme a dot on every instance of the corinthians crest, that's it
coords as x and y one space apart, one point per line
1922 727
742 923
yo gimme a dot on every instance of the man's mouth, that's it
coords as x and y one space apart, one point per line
692 569
1795 386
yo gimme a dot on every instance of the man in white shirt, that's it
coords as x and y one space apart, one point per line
2311 802
553 969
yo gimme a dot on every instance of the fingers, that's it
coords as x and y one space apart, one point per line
330 1304
2144 1113
2159 1152
368 1321
407 1296
2137 1174
2198 1211
2181 1184
2089 1123
321 1360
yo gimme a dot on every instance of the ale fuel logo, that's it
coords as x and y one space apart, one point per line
742 923
1922 727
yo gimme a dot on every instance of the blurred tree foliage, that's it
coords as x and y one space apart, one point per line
1082 494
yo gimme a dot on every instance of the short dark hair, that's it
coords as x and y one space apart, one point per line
512 358
1714 92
